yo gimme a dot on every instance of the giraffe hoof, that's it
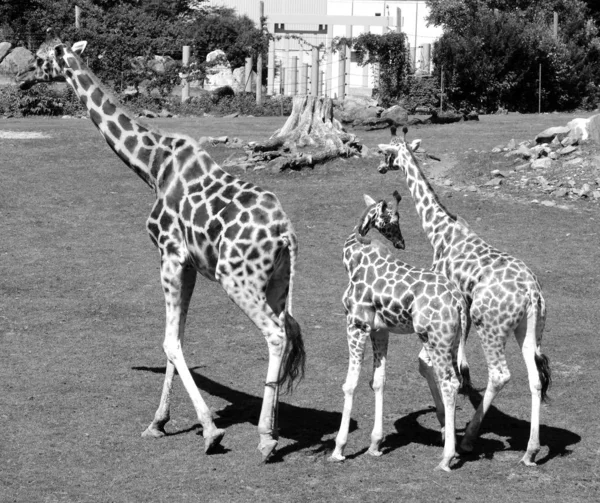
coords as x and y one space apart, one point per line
154 432
375 452
527 461
267 449
212 441
443 467
336 458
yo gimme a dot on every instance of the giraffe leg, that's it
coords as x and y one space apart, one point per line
527 339
178 284
444 368
380 346
250 297
356 344
493 343
427 371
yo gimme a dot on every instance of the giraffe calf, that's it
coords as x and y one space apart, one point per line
386 295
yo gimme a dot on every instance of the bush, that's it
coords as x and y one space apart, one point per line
421 92
39 100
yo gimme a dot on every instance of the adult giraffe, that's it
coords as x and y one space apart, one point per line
203 221
502 293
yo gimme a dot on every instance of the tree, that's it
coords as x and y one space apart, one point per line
390 52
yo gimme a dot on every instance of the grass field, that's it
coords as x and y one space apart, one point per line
82 320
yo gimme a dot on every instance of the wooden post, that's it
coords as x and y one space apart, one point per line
281 78
259 61
286 64
303 76
321 81
540 91
294 76
342 73
399 20
555 32
248 75
442 89
185 85
329 64
426 61
314 79
271 69
77 17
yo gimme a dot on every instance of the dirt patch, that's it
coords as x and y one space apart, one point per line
22 135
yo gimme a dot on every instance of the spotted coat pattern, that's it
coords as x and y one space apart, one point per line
386 295
203 221
502 293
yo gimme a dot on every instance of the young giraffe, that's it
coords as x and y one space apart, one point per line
502 293
386 295
203 221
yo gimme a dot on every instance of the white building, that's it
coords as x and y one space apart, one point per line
300 25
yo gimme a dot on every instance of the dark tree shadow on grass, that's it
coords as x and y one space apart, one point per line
306 426
515 431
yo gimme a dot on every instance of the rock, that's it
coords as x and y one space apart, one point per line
231 116
578 129
585 191
596 194
4 49
542 163
165 113
560 192
548 203
494 182
397 114
512 144
16 61
496 150
446 118
448 183
549 134
568 141
360 115
522 167
352 102
566 150
471 188
524 152
573 162
149 114
594 128
204 140
497 172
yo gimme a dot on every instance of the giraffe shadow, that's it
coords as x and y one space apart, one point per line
513 431
306 426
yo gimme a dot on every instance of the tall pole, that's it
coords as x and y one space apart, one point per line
540 91
314 78
555 32
77 17
442 89
259 60
185 85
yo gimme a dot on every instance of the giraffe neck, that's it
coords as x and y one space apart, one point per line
134 143
437 222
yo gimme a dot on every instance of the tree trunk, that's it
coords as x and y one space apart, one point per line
310 135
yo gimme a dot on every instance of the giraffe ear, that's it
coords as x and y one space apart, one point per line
383 147
369 201
79 47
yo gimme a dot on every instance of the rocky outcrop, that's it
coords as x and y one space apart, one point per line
14 61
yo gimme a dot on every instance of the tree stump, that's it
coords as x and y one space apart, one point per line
311 135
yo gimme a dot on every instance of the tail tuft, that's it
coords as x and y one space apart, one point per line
543 365
294 358
465 380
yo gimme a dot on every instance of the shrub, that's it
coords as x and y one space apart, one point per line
39 100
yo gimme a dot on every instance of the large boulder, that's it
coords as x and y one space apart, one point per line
4 49
239 80
161 64
558 132
16 61
594 128
396 114
219 71
578 129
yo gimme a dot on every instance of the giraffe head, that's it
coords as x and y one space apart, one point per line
383 217
52 59
396 151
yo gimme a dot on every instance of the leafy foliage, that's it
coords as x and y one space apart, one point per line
39 100
491 52
390 52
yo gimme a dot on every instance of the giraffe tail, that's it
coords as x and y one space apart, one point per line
542 362
294 356
463 366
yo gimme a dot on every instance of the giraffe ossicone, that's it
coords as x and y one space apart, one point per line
503 295
386 295
205 221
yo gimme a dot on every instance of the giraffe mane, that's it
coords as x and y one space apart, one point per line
428 185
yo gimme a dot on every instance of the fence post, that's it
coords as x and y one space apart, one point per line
314 79
77 17
342 72
271 69
303 78
294 76
185 85
329 64
248 75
